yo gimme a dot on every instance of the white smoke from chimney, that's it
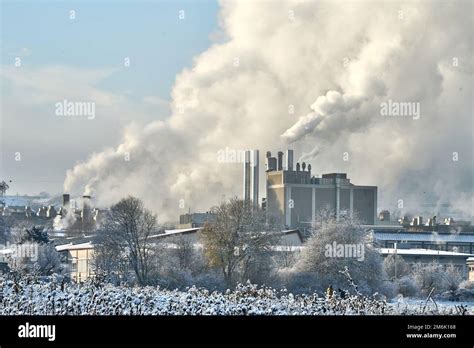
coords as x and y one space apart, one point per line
339 59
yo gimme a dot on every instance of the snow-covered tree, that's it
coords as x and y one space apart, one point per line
238 241
453 277
332 248
395 267
429 276
110 260
129 225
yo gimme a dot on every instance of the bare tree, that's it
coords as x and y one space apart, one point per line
110 257
238 241
48 260
129 224
183 251
286 255
3 188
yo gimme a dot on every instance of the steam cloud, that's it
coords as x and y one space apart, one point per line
334 64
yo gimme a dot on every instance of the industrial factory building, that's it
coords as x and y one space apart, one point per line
294 196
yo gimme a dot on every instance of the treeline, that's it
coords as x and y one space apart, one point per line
241 245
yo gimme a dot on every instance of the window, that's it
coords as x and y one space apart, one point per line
74 265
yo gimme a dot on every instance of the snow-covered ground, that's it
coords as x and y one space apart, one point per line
50 299
419 306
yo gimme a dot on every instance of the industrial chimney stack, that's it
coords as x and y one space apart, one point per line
280 160
86 208
251 176
66 200
289 160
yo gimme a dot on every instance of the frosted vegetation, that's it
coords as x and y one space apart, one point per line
55 297
134 274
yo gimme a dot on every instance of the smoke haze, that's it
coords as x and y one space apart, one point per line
310 76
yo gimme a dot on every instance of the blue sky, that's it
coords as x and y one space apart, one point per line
158 43
84 57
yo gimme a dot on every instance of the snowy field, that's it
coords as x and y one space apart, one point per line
410 306
50 299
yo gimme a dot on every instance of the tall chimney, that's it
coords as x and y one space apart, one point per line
303 166
280 160
247 177
86 208
255 167
66 200
289 160
270 162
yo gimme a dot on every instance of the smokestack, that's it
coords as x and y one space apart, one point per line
289 160
309 169
280 160
255 165
270 162
297 166
251 178
303 166
86 199
66 200
247 177
86 208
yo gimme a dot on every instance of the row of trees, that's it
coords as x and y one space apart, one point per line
238 246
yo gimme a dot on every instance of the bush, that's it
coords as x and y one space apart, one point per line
402 268
452 277
407 287
429 276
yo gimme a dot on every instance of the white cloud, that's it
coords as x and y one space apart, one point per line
300 62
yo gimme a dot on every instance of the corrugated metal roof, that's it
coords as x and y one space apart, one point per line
425 237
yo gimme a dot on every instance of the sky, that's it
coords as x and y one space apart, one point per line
90 50
324 78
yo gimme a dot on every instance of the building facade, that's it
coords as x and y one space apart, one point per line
78 260
294 196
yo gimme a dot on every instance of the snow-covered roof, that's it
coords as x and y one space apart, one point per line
423 252
287 247
21 201
293 231
425 237
182 230
175 232
71 246
5 251
470 259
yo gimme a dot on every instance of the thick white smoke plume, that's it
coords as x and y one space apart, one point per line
312 76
